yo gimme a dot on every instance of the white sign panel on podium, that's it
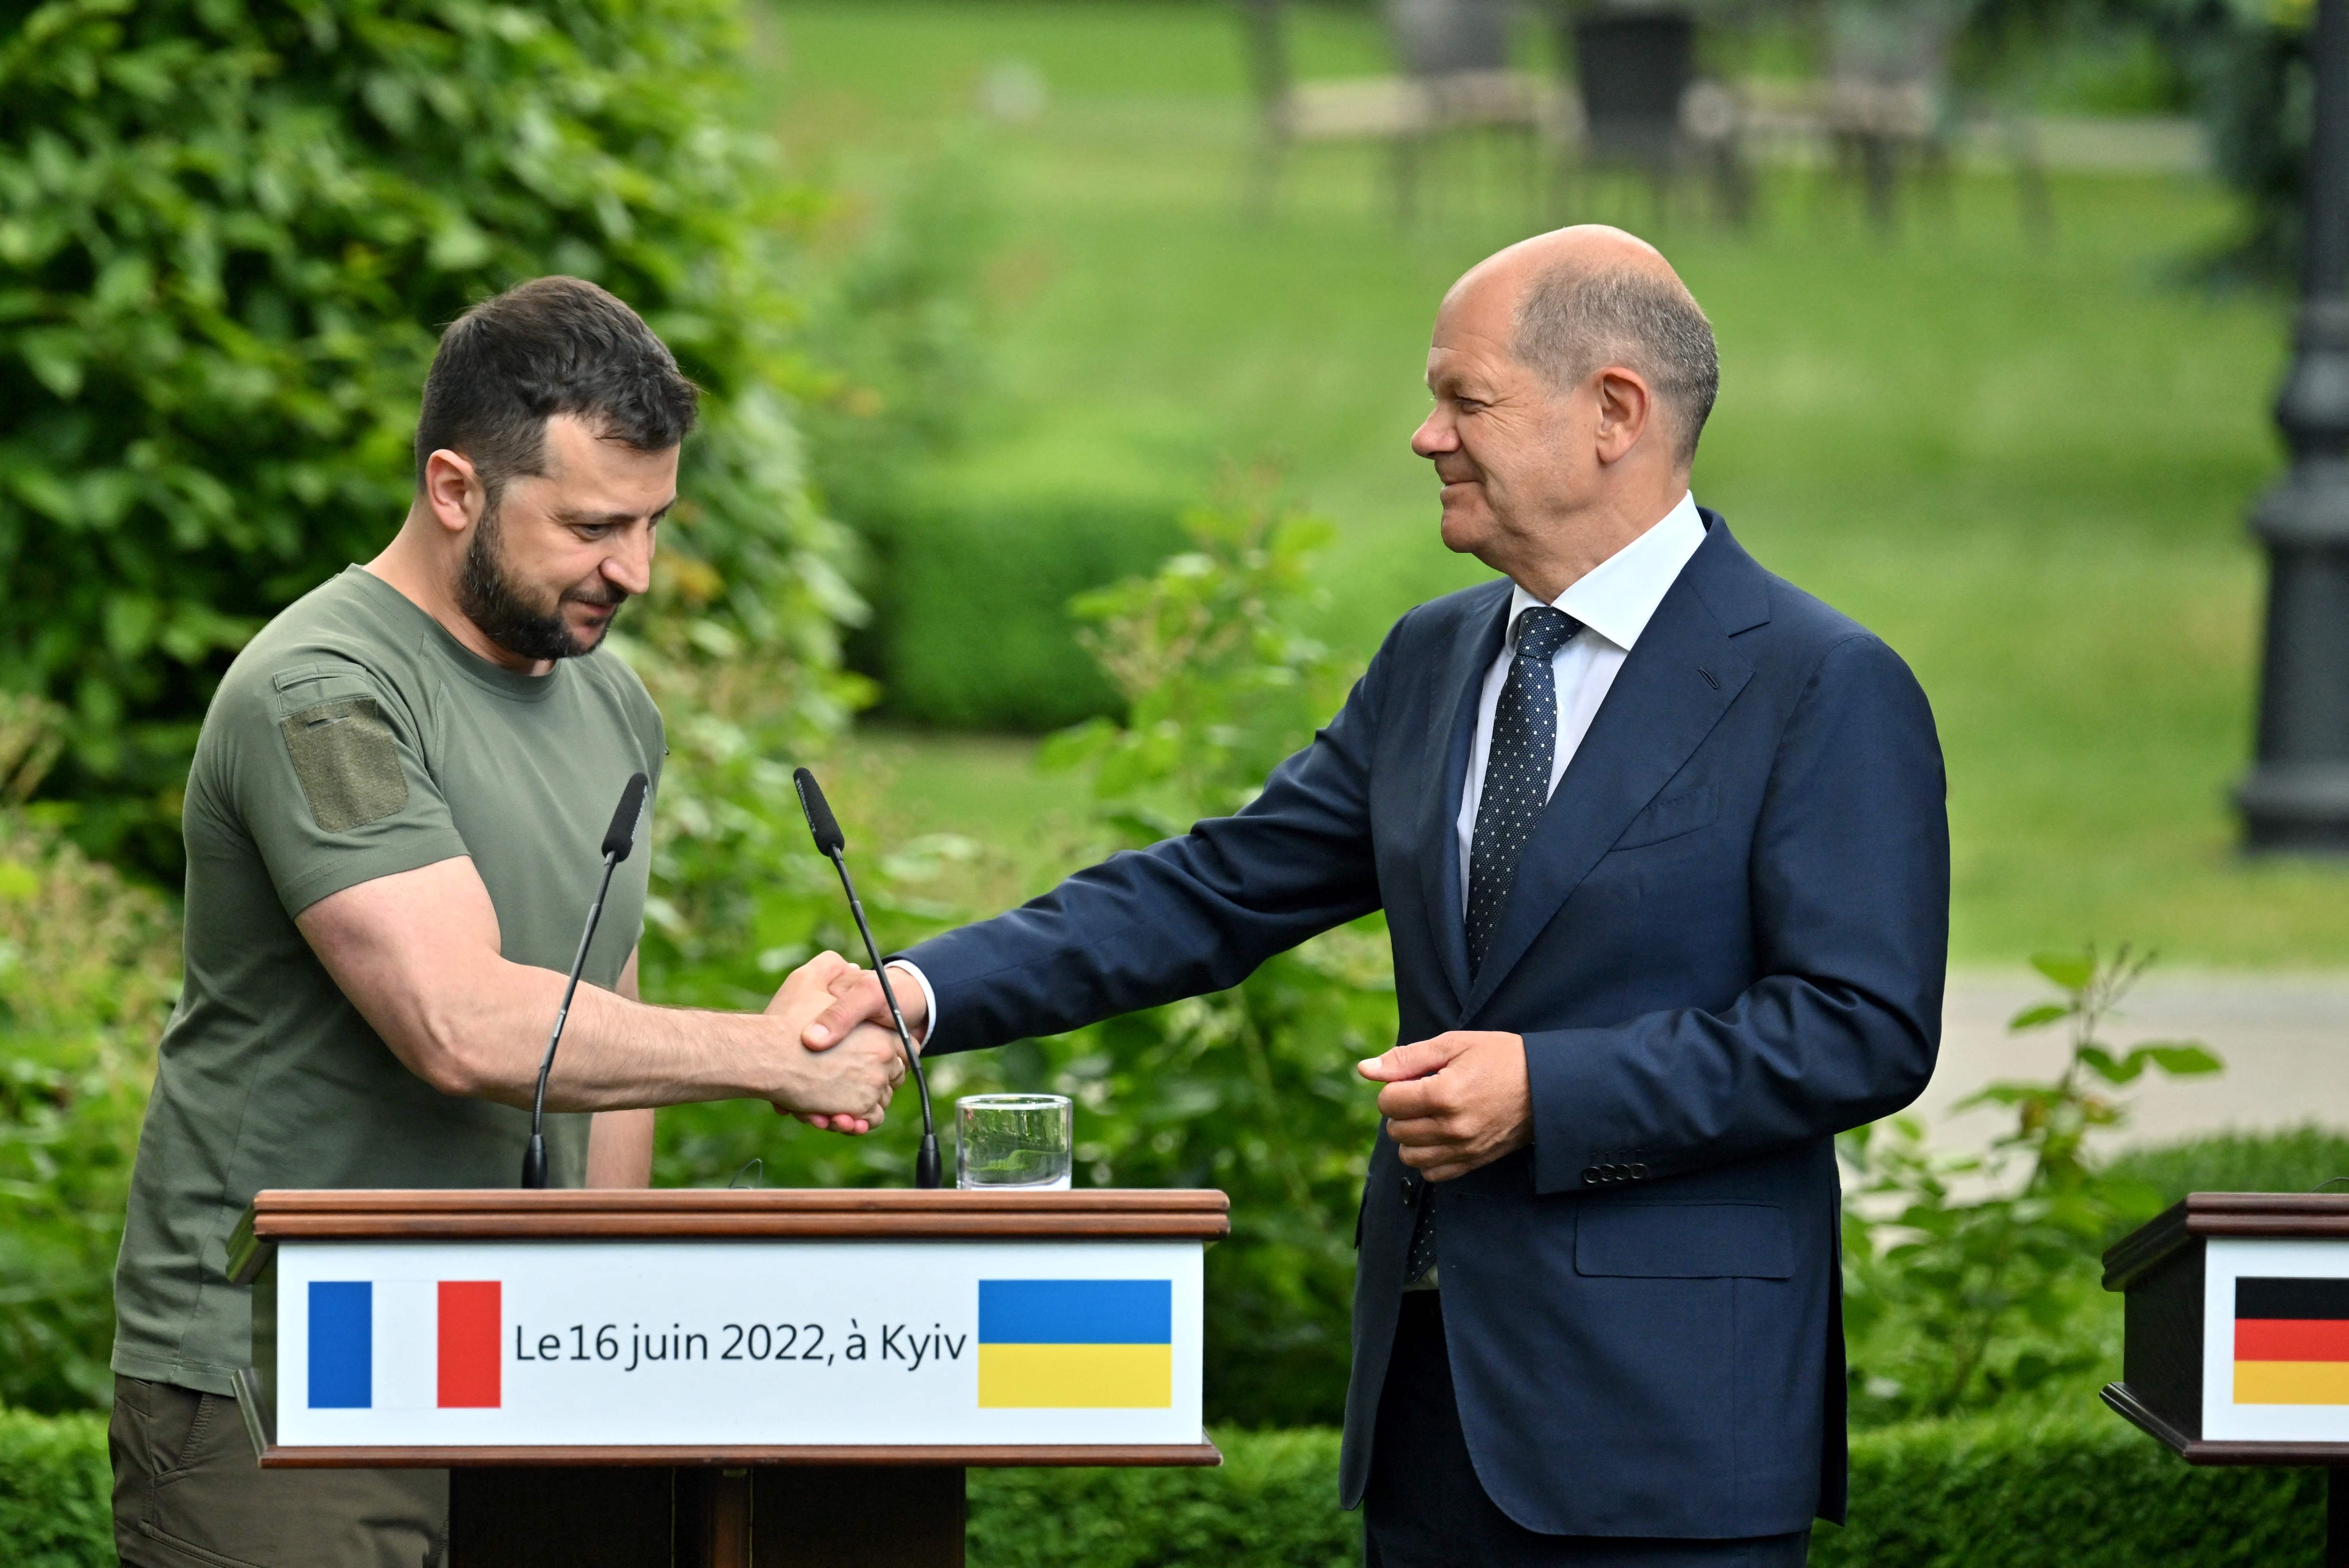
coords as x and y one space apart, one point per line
695 1327
751 1343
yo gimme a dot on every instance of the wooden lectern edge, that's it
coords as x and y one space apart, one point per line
2123 1400
1203 1453
702 1214
667 1199
2205 1215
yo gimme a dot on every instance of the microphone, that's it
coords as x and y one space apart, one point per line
618 839
825 829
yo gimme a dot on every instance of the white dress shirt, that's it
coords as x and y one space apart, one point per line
1614 602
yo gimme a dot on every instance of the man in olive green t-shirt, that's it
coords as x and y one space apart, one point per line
393 827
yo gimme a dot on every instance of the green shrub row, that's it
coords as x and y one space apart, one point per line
971 626
2079 1490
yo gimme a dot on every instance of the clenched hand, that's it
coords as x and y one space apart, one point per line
1455 1102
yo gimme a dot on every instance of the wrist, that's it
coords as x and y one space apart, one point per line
915 1003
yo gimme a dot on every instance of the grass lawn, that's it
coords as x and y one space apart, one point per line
2025 465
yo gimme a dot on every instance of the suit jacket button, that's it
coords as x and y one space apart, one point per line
1590 1176
1614 1172
1638 1172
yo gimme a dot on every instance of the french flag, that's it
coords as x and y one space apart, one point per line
404 1344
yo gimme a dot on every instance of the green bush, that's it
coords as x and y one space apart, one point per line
88 965
1955 1304
2083 1491
1273 1501
230 231
55 1492
2080 1490
971 626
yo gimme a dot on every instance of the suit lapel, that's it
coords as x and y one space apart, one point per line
1673 689
1445 774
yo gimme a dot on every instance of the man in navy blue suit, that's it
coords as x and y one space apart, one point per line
1661 845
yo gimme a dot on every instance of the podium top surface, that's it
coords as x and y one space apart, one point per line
702 1214
2282 1216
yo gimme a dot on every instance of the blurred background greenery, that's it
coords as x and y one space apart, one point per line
1033 409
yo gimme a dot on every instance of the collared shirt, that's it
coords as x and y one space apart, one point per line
1614 601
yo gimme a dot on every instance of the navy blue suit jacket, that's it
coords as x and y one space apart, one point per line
1725 943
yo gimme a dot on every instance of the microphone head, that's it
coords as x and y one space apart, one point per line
820 820
621 836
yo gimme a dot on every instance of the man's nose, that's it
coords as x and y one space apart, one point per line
1435 435
629 568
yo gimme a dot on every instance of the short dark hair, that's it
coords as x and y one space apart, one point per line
552 345
1576 317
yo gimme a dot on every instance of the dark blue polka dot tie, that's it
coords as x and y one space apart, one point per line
1517 773
1516 789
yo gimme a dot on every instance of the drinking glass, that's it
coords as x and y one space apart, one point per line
1006 1140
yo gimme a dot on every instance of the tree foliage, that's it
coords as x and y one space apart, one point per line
230 231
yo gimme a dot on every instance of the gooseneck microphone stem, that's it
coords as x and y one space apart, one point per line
926 1170
824 828
533 1159
618 839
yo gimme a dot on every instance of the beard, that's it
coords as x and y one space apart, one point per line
503 608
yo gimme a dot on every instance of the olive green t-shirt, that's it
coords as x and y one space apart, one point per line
355 739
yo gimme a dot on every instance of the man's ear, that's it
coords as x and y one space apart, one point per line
1626 406
453 492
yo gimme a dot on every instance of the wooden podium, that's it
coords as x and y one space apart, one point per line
2236 1347
723 1380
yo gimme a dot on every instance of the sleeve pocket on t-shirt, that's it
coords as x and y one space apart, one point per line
348 763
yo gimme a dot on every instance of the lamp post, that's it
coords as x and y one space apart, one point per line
2296 798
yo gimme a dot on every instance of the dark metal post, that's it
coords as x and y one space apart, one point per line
2336 1519
2296 799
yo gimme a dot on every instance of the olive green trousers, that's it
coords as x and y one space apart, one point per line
187 1495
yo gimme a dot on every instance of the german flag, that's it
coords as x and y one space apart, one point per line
2292 1342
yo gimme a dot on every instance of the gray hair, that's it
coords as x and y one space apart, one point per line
1575 318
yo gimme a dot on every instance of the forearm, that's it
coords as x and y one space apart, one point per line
483 1036
419 954
620 1149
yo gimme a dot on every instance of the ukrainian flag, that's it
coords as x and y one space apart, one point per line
1076 1344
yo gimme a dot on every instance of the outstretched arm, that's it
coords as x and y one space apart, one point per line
1187 916
417 953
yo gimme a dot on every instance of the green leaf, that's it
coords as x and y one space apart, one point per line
2102 1062
53 355
2072 970
2182 1058
2038 1016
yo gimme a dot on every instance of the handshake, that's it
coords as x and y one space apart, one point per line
839 1062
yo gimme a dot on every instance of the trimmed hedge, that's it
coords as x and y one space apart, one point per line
1274 1502
971 626
2079 1490
2083 1490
